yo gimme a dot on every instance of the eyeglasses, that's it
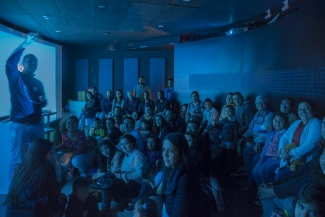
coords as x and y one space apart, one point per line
285 104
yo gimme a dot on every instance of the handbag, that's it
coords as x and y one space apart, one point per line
107 180
214 194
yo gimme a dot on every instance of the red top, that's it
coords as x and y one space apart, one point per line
297 134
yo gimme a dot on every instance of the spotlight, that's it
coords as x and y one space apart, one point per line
268 14
286 5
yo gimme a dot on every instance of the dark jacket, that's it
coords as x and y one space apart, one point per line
128 109
107 105
25 91
143 104
90 108
98 101
183 195
178 125
78 209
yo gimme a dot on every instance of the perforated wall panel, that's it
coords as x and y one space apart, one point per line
82 72
105 75
131 73
307 82
157 76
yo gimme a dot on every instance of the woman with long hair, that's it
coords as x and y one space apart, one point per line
89 111
118 100
34 188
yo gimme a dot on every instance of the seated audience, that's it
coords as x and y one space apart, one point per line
162 104
148 115
195 108
135 115
113 133
98 98
210 117
304 133
286 107
89 111
118 101
193 126
175 122
244 112
97 130
229 101
145 102
73 147
184 111
131 104
163 129
106 107
81 203
140 89
154 151
34 189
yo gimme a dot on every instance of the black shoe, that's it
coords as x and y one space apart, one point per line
239 172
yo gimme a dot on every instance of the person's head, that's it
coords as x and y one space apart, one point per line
229 99
170 82
135 115
93 90
175 151
128 124
91 142
170 114
229 111
29 64
144 125
237 98
310 201
193 126
261 102
118 119
117 110
71 123
128 143
89 96
119 94
97 122
109 94
107 149
192 139
161 95
152 143
141 80
148 110
146 95
279 121
130 94
287 105
184 107
195 96
39 150
306 111
80 188
208 104
145 207
110 123
160 121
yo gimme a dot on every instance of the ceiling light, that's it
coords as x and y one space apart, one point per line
46 17
106 33
268 14
160 26
101 6
286 5
186 0
57 31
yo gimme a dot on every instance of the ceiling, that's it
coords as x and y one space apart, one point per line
134 23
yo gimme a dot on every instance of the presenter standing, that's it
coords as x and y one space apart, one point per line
27 99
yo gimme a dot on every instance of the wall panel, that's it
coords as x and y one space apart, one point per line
82 72
131 73
157 76
105 75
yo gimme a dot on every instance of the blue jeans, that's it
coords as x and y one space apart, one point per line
82 118
81 162
264 170
22 135
282 172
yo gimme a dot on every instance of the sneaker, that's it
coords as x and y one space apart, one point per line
258 203
239 172
129 208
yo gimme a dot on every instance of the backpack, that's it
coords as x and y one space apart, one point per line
215 195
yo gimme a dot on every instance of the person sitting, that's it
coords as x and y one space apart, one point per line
131 104
193 126
154 152
229 101
81 203
183 111
89 111
162 128
244 112
148 115
34 189
74 148
106 107
162 104
135 115
118 101
174 121
210 117
141 88
304 133
145 102
113 133
129 128
98 98
97 130
286 107
131 169
195 109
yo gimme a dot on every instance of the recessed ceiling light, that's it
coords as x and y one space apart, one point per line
106 33
186 0
46 17
112 49
160 26
57 31
101 6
